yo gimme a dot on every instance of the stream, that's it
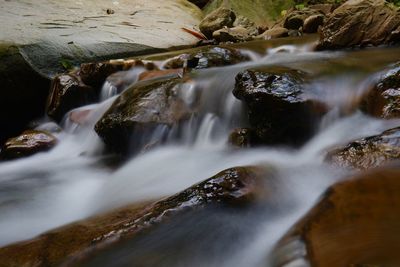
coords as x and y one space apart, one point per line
74 180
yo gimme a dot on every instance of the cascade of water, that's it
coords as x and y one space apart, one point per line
69 182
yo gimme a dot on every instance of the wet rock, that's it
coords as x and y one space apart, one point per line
145 109
295 20
354 224
383 100
368 152
207 58
95 74
243 137
360 23
236 187
312 23
274 33
28 143
216 20
277 108
68 92
235 34
147 75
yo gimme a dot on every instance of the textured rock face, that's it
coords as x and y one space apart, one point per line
296 19
277 109
354 224
368 152
40 40
361 23
142 109
217 20
28 143
235 186
383 100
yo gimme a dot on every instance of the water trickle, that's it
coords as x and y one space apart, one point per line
70 182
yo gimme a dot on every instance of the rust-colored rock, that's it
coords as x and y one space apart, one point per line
368 152
68 92
359 23
28 143
238 186
383 100
354 224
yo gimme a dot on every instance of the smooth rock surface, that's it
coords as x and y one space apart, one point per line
41 39
354 224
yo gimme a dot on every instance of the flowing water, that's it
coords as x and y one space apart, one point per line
73 181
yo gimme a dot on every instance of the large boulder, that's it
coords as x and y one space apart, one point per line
41 40
361 23
368 152
28 143
139 111
383 100
308 19
354 224
235 187
278 109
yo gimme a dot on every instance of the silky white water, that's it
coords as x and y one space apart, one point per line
71 181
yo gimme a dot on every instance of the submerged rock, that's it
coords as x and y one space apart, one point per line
368 152
278 110
383 100
217 19
28 143
235 187
354 224
207 58
361 23
68 92
147 109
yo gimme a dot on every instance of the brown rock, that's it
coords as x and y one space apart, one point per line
151 74
217 20
360 23
383 100
295 19
139 110
354 224
238 186
312 23
235 34
368 152
68 92
28 143
243 137
277 32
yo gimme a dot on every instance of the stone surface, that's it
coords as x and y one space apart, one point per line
312 23
235 187
243 137
68 92
206 58
368 152
141 110
383 100
28 143
295 19
354 224
219 18
277 108
235 34
274 33
360 23
40 40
